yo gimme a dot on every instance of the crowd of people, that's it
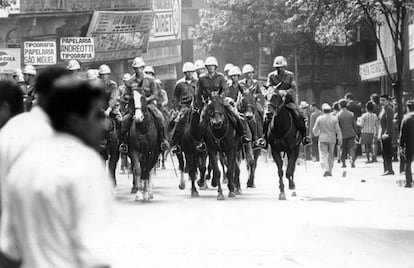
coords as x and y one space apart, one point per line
340 128
49 165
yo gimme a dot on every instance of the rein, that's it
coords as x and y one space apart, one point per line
287 132
142 135
218 140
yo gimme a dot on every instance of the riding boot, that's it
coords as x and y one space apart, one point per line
241 131
201 145
300 124
162 132
176 137
266 124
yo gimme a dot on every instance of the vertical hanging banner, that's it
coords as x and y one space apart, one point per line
40 52
120 35
167 20
77 48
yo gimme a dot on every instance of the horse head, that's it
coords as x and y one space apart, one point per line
247 105
274 102
140 106
216 111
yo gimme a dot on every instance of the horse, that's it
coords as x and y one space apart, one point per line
221 138
283 136
144 148
248 107
109 146
189 159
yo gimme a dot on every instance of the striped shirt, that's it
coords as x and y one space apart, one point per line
369 123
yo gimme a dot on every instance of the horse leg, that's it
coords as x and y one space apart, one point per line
237 175
163 156
192 170
136 172
202 169
279 163
113 160
231 157
181 164
250 182
223 168
216 174
290 171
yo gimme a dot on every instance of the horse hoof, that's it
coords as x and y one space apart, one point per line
138 196
151 196
225 181
251 185
220 197
194 194
200 183
146 197
238 192
214 183
181 186
232 194
163 166
282 196
294 193
207 177
134 190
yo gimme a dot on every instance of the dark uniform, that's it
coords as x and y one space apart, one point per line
111 99
407 144
146 85
233 91
183 96
216 84
286 81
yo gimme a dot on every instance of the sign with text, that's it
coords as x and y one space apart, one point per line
9 60
77 48
167 20
120 35
40 52
9 7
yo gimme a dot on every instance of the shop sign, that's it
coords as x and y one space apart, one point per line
9 60
375 69
166 72
40 52
167 20
9 7
77 48
159 56
119 35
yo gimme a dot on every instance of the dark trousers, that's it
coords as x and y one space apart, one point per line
315 149
348 147
387 154
408 175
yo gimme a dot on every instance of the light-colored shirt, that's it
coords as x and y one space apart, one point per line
57 206
368 123
327 128
312 120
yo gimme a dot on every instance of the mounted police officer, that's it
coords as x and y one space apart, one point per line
183 96
162 101
145 85
234 88
250 85
111 92
215 83
74 67
283 82
122 89
29 74
227 68
200 68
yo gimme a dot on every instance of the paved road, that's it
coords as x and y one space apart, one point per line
335 222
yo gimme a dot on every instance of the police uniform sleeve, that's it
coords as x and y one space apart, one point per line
269 80
293 86
199 100
113 99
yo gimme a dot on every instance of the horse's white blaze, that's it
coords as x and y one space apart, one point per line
138 106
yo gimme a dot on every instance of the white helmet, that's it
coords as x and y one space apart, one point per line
149 69
280 61
138 62
211 61
188 67
247 69
73 65
29 69
104 69
199 64
126 77
228 66
92 74
234 70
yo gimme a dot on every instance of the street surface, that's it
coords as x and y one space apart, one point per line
333 222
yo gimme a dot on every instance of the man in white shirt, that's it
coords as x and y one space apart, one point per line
57 198
26 128
327 128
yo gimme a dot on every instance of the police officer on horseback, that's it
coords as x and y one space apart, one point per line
146 86
283 82
183 96
215 83
29 97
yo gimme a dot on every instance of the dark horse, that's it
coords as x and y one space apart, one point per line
221 138
282 136
144 149
189 159
248 107
109 146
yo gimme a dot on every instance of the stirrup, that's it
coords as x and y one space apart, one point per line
201 147
245 139
165 145
123 148
306 140
260 143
